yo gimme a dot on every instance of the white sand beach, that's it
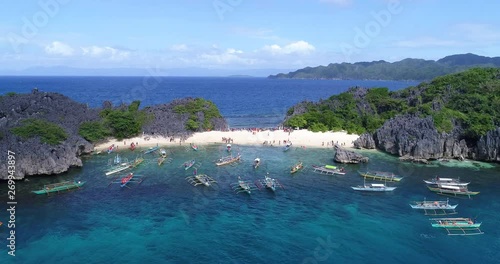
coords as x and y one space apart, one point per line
299 138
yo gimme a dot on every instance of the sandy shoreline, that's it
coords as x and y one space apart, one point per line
299 138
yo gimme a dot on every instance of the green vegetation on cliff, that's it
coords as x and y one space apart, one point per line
48 132
407 69
194 107
469 99
120 123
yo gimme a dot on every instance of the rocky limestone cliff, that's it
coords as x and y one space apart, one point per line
488 147
32 156
365 141
347 156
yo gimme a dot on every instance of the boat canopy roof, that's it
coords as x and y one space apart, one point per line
378 185
444 179
450 187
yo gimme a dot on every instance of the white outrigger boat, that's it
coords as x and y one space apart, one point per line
228 160
373 187
202 179
228 147
329 170
435 207
269 183
242 186
458 226
118 168
446 181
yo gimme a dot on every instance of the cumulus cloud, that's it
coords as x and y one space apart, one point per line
59 48
105 53
298 47
225 57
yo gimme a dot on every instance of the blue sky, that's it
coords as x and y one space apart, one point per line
240 34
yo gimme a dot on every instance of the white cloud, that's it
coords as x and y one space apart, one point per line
337 2
179 47
105 53
478 33
299 47
59 48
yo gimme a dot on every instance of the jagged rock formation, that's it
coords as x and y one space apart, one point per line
32 156
165 114
365 141
347 156
488 147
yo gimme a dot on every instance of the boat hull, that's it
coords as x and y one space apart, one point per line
365 189
60 188
457 225
381 177
442 191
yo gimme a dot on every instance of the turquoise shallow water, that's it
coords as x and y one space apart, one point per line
316 219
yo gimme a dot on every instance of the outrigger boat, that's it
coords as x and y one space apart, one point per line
381 176
269 183
189 164
118 168
201 179
161 160
136 162
151 149
130 178
296 167
227 160
446 181
329 169
435 207
458 226
194 147
163 153
452 190
256 163
117 160
228 147
373 187
111 148
58 187
242 186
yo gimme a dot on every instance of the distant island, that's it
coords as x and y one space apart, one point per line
453 116
407 69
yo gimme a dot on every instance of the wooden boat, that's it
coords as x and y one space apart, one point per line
256 163
58 187
130 178
458 226
136 162
194 147
118 168
228 147
242 186
189 164
202 179
434 207
452 190
269 183
381 176
151 149
446 181
373 187
227 160
296 167
329 169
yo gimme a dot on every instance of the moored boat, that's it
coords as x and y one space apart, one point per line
296 167
151 149
118 168
458 226
194 147
256 163
58 187
425 205
287 146
136 162
269 183
189 164
373 187
446 181
228 160
452 190
228 147
381 176
329 169
132 146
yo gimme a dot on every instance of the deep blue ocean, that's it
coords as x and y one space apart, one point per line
315 219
